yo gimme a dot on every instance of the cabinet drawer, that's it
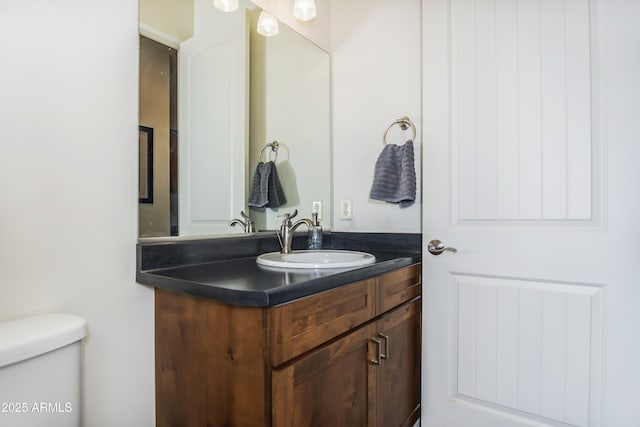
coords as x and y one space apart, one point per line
399 286
303 324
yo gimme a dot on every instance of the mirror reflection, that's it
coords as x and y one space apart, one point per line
216 95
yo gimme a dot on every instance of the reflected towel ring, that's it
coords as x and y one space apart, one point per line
405 123
274 149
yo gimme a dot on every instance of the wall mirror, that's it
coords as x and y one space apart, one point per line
215 92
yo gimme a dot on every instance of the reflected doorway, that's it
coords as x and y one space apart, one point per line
158 95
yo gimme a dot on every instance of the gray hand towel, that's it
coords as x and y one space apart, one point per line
394 179
258 193
266 190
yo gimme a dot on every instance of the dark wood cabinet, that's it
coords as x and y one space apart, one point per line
349 356
369 377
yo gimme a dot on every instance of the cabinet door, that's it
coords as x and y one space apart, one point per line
332 386
398 375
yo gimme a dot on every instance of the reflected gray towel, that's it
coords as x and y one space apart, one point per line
258 194
394 179
276 193
266 190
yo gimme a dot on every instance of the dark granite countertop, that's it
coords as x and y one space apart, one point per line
210 268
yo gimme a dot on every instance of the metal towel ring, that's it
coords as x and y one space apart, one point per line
274 149
405 123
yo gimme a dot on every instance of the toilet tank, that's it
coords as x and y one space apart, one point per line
40 371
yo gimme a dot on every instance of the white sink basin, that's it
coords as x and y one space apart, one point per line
329 258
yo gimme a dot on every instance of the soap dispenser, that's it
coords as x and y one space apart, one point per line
315 233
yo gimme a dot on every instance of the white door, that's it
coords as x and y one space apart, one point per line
531 160
212 121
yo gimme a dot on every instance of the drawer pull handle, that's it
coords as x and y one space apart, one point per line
376 361
385 355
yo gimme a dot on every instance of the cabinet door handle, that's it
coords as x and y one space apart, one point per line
385 355
376 361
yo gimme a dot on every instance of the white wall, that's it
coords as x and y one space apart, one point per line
376 66
68 129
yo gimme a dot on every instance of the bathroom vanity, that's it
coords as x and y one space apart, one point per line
337 348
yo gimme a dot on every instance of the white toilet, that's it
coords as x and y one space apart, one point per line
40 371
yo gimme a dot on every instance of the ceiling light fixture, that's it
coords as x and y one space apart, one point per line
226 5
304 10
267 25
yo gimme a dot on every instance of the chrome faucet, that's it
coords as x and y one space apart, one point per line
248 226
285 236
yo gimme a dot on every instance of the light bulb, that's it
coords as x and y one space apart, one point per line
304 10
226 5
267 25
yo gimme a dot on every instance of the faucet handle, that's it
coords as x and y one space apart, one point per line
250 225
289 215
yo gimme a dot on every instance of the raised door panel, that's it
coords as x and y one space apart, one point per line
398 374
532 346
304 324
333 386
399 286
522 119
